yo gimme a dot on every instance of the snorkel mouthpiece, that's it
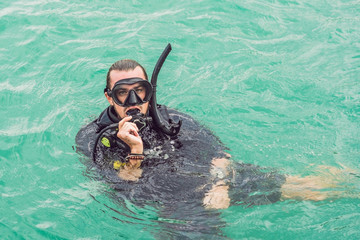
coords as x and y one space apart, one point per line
133 112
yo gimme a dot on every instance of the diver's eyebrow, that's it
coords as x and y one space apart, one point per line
122 89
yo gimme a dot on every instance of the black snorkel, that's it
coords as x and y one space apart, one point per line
170 127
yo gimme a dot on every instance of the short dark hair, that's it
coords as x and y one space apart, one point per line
124 65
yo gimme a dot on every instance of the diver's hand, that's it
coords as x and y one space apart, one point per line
130 172
128 132
217 197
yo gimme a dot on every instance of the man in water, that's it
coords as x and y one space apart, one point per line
185 166
124 150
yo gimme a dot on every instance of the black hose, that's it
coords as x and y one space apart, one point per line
170 128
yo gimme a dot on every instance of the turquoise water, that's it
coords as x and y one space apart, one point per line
277 81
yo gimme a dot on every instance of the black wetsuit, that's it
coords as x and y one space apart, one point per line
176 171
166 158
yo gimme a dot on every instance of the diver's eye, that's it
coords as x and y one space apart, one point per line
122 93
139 90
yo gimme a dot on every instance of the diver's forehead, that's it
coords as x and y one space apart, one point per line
116 75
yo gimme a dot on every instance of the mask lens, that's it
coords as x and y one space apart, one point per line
121 94
131 93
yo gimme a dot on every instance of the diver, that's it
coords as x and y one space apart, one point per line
135 140
135 132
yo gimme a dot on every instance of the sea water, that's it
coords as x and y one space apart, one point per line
277 81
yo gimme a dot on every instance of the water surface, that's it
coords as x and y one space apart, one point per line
276 81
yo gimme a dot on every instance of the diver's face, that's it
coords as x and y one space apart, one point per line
115 76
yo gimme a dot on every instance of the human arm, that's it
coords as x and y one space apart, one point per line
128 133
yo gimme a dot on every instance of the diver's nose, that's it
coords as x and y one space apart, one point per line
133 99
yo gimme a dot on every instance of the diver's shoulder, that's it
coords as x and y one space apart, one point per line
89 131
94 125
84 136
174 112
191 127
188 122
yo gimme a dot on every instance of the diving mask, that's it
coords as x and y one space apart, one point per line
131 92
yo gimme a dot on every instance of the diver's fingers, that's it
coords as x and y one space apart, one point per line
128 128
123 121
133 129
129 134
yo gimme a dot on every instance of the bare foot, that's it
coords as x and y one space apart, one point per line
331 182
